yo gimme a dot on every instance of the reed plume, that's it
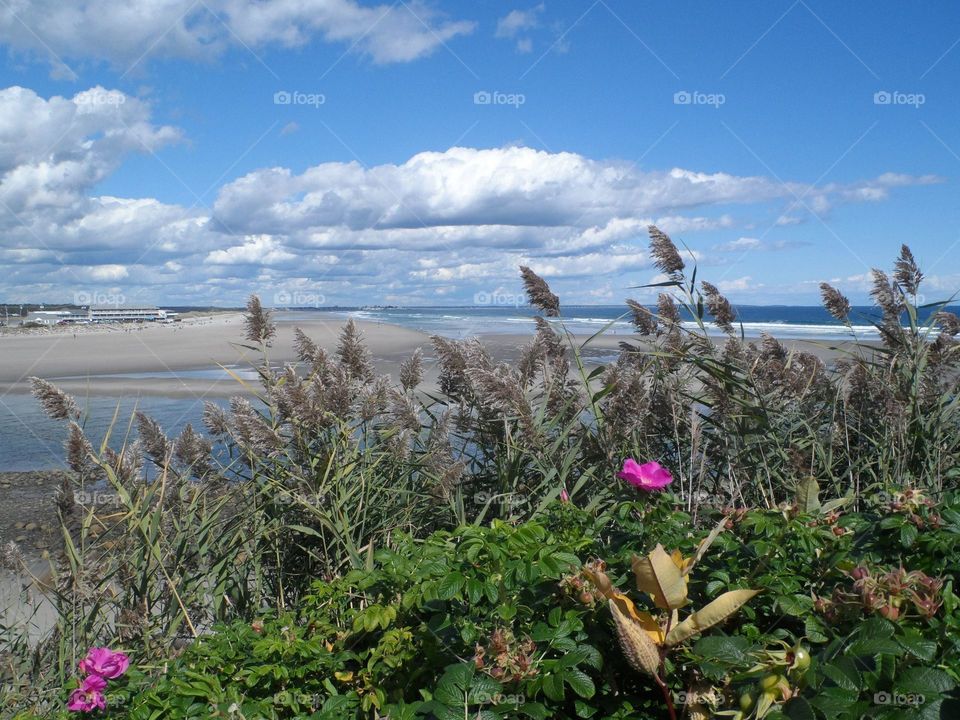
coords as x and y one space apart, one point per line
539 293
835 302
55 402
664 253
906 272
643 320
411 370
353 355
719 307
155 442
259 327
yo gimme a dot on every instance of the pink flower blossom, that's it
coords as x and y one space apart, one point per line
104 662
564 496
89 696
650 476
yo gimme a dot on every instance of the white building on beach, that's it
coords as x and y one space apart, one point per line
100 314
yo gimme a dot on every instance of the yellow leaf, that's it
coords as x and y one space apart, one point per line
659 576
709 615
641 651
343 676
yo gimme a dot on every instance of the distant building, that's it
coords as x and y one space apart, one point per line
100 314
45 317
126 313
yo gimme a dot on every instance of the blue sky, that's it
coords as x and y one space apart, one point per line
147 148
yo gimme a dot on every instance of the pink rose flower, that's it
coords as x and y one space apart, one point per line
104 662
89 696
650 476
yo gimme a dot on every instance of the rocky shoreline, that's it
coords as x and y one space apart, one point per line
28 510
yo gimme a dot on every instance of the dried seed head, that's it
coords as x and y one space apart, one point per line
155 442
125 464
949 323
411 370
79 451
906 272
667 310
549 340
250 431
664 252
886 295
215 419
353 355
835 302
644 320
452 360
192 451
55 402
306 348
373 399
404 412
259 327
719 307
539 294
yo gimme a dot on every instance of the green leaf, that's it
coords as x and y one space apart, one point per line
928 682
874 646
908 535
795 605
580 682
843 671
451 586
918 646
815 630
731 650
798 709
834 701
553 687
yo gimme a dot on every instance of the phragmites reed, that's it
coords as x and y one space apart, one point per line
55 402
949 323
719 307
906 272
259 327
835 302
155 442
667 309
305 348
215 419
192 451
126 464
539 293
411 370
353 354
664 252
79 451
250 431
886 295
643 319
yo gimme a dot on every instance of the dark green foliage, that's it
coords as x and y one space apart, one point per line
417 634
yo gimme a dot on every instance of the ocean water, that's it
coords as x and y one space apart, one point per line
789 322
29 440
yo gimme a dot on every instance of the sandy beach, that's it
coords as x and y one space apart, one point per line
88 361
181 359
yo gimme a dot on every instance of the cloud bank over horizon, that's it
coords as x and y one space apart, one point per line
433 229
